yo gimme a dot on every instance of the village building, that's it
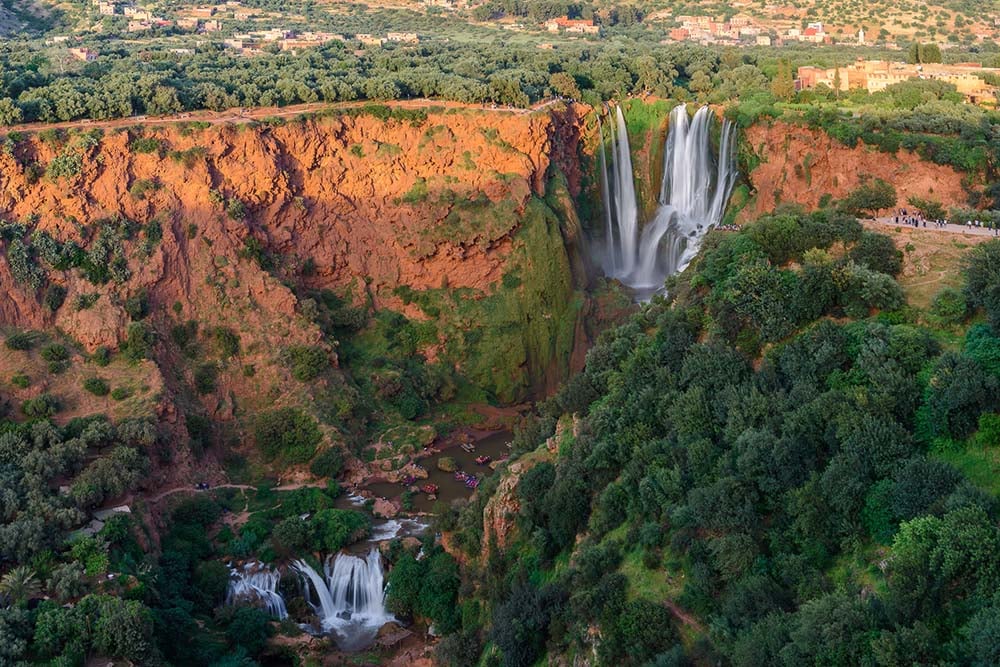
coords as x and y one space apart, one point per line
877 75
84 54
405 37
564 24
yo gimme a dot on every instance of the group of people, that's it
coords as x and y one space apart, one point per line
916 219
989 224
728 228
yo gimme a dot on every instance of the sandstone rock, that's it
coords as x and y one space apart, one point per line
447 464
391 634
836 170
385 508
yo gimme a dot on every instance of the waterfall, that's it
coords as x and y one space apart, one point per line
611 249
693 195
256 584
623 192
351 595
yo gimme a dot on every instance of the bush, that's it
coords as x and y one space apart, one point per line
949 306
306 362
335 529
121 393
228 342
146 145
54 297
329 463
249 629
137 305
236 210
85 301
204 378
288 433
42 406
102 356
982 280
138 343
20 341
55 352
96 386
878 253
142 186
20 380
871 197
64 165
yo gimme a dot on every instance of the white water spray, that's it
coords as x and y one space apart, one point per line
351 596
258 585
693 195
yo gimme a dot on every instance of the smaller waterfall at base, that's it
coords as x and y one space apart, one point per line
693 195
258 585
351 597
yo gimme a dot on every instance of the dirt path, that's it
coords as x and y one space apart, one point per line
947 229
684 617
246 487
246 115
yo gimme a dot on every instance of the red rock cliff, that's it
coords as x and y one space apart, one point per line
801 165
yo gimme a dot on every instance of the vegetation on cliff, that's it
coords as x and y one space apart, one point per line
758 472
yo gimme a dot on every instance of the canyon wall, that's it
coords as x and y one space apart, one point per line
459 219
801 165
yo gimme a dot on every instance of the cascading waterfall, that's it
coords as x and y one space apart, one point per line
351 596
623 192
256 584
693 195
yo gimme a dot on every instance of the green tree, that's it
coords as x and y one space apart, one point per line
872 196
782 85
289 433
20 584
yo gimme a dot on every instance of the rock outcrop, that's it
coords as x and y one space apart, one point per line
802 165
227 225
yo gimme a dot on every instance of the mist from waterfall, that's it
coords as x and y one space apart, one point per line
692 199
350 596
256 584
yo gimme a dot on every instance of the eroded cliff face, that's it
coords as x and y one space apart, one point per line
227 226
801 165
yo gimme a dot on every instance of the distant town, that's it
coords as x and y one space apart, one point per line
969 79
249 31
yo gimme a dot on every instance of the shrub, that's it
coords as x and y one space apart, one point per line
949 306
66 164
96 386
138 343
40 407
329 463
288 433
54 297
334 529
20 380
21 341
85 301
145 145
121 393
228 342
204 378
871 197
306 362
878 253
55 352
236 210
137 305
249 629
142 186
102 356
